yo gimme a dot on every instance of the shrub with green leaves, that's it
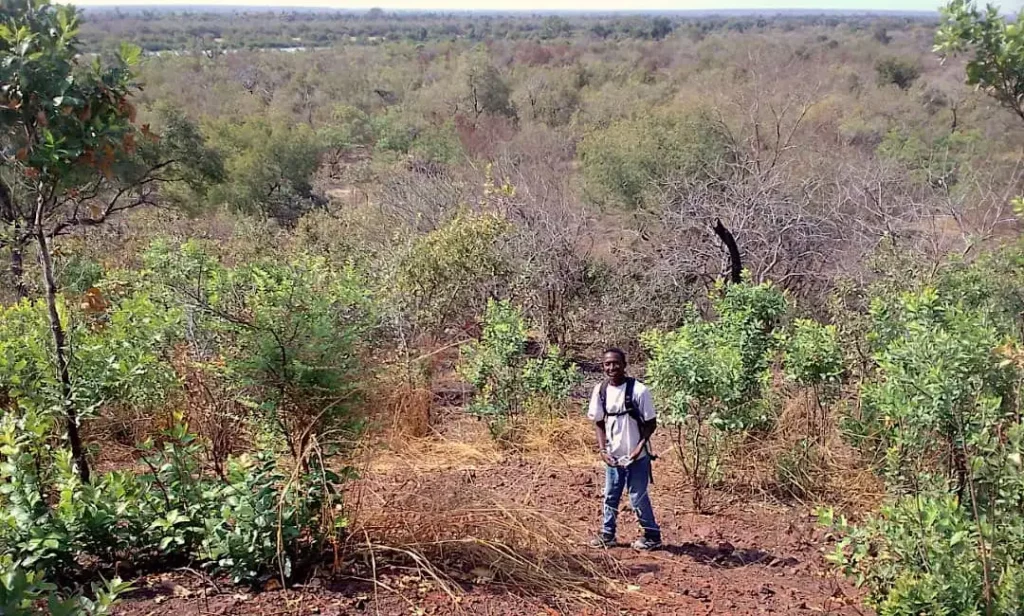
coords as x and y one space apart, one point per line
624 163
814 360
256 520
709 375
939 552
941 415
26 593
445 276
283 338
937 369
118 354
900 72
506 379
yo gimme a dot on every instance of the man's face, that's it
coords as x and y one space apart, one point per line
614 367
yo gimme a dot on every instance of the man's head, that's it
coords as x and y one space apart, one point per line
614 364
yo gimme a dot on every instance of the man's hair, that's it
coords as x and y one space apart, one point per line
617 351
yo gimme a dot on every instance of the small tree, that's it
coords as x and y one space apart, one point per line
900 72
505 377
710 375
71 154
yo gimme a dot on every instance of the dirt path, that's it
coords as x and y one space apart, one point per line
747 558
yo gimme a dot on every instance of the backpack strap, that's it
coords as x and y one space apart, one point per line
629 406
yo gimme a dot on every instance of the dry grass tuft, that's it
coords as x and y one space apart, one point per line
454 534
804 461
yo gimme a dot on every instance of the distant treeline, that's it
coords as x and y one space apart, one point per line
160 30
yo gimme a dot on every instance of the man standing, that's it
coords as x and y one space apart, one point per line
624 419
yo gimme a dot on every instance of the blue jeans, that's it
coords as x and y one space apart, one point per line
636 476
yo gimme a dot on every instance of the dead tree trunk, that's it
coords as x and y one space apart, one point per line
735 264
60 344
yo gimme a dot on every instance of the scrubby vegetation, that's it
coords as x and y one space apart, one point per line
226 266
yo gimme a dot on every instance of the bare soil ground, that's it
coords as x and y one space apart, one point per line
751 556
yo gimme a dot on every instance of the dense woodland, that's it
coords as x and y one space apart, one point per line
236 266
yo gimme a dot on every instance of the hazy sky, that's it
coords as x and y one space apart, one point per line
562 5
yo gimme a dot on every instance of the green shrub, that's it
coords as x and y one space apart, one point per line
937 365
936 552
709 375
942 415
269 166
623 163
814 360
505 378
900 72
24 592
445 276
118 354
283 338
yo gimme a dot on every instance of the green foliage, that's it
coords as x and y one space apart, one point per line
506 379
393 131
900 72
939 370
439 144
813 357
269 166
709 375
264 520
941 411
58 117
486 91
623 163
936 552
119 354
284 338
941 162
175 511
446 275
997 65
23 593
349 126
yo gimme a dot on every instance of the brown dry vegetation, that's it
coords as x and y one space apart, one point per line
579 178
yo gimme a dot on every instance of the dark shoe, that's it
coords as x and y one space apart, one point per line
602 541
646 545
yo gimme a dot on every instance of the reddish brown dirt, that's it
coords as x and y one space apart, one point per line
747 558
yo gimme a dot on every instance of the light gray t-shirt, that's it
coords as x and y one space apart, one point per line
622 432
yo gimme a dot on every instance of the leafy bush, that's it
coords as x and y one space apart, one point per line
934 552
118 353
505 378
22 593
445 276
254 521
269 166
942 414
710 374
284 339
900 72
937 366
814 360
623 163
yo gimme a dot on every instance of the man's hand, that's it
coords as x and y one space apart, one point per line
610 461
633 455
